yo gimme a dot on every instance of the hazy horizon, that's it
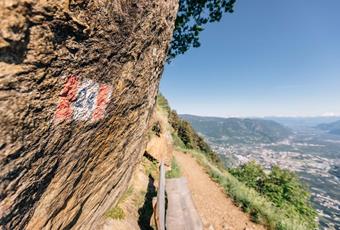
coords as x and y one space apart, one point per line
269 116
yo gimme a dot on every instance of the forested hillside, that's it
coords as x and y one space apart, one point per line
332 128
237 130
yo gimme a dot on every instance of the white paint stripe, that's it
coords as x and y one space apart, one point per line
86 98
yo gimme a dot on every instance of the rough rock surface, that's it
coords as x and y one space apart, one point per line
67 173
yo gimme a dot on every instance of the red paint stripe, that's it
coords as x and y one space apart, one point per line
67 96
102 100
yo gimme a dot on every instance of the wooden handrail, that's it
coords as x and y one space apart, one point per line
160 205
181 213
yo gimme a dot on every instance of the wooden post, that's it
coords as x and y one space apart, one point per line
160 220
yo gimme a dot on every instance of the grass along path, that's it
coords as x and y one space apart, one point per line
215 208
260 208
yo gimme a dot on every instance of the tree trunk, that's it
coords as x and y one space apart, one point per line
78 81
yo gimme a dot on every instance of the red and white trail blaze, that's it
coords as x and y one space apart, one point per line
82 100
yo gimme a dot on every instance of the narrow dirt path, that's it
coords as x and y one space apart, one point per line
214 206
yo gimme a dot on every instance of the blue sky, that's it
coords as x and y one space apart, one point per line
268 58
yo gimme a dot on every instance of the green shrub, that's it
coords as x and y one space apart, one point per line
175 171
177 141
280 186
163 104
251 174
116 213
150 168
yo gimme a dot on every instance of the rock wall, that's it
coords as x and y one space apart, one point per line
78 81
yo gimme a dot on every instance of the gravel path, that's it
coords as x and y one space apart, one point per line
215 208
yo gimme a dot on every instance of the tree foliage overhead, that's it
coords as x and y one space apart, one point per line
192 15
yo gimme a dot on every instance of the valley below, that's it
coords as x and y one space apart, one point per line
312 153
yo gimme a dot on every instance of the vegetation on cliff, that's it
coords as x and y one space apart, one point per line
276 200
183 133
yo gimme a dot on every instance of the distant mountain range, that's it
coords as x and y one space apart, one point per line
332 128
238 130
297 122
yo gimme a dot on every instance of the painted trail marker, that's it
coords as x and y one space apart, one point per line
82 100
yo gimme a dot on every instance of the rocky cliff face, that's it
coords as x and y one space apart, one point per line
78 81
